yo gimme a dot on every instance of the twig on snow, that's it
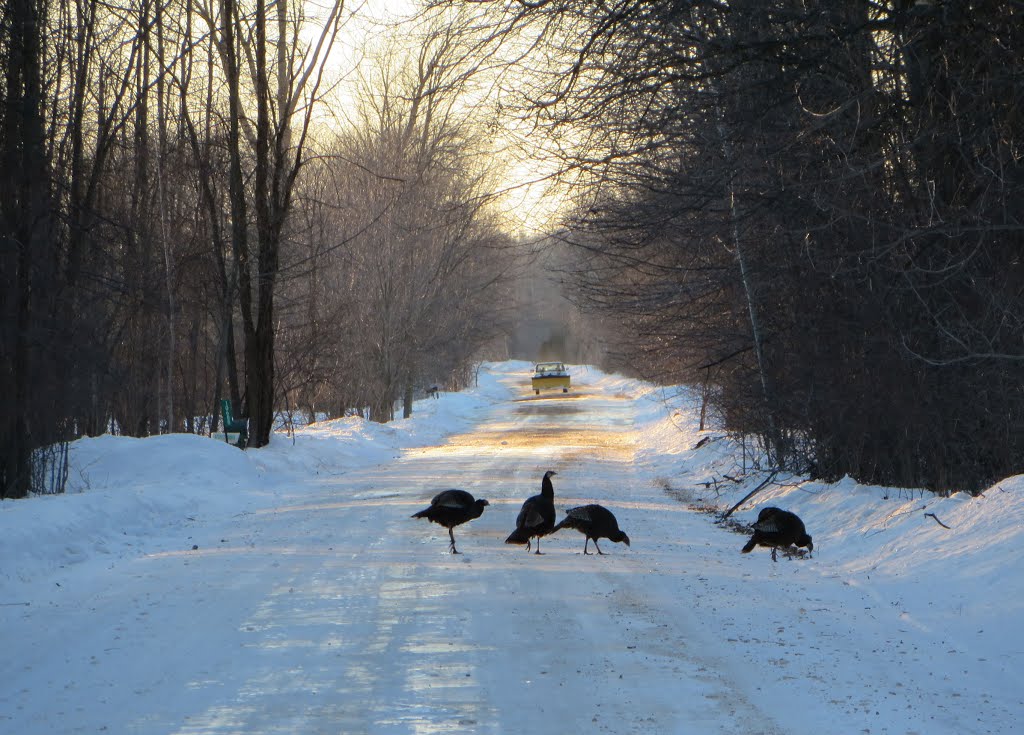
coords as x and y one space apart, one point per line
752 493
936 518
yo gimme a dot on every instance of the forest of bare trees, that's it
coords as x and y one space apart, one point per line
814 209
810 209
181 225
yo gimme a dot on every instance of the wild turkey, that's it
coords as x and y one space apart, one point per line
778 529
594 522
452 508
537 516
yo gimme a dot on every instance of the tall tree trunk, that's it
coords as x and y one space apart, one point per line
25 245
407 397
165 240
259 338
236 191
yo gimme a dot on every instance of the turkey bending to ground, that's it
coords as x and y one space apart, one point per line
594 522
778 528
452 508
537 516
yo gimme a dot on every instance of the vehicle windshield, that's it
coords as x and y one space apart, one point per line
550 367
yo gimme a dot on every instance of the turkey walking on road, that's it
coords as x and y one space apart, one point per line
778 529
537 516
452 508
594 522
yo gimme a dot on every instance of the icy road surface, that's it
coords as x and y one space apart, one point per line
332 611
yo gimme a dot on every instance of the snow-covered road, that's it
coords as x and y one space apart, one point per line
330 610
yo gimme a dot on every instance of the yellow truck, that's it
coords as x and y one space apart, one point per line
549 375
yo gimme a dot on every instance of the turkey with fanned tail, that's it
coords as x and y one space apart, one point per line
778 529
594 522
452 508
537 516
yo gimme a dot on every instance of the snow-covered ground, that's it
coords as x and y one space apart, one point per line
183 586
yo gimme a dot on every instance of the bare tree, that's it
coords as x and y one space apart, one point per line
267 133
802 203
421 257
26 254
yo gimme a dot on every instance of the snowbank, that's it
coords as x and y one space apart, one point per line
124 493
943 562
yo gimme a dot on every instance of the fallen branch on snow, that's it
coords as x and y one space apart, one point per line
752 493
936 518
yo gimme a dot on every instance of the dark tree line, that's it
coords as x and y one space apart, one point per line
812 208
176 229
